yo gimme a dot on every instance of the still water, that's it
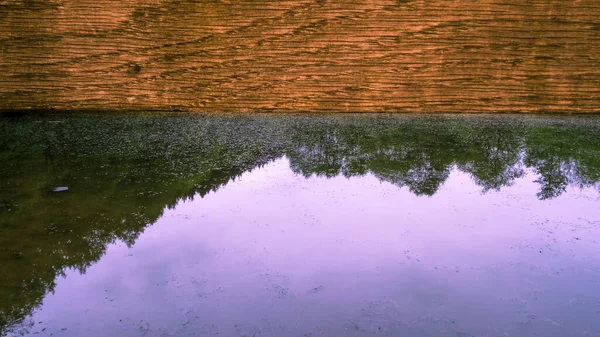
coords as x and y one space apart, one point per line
272 225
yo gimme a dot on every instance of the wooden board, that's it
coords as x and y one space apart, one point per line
291 55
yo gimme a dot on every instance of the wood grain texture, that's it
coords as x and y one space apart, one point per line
295 55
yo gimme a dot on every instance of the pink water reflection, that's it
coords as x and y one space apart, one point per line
275 254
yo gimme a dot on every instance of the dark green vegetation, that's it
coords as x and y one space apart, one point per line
122 171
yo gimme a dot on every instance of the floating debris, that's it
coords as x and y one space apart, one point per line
60 189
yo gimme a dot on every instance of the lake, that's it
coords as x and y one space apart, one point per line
294 225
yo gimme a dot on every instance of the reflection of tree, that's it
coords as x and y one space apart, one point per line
415 153
391 154
564 154
122 173
419 153
492 155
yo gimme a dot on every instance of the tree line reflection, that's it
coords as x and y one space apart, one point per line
123 171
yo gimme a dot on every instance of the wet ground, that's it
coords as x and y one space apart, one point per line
271 225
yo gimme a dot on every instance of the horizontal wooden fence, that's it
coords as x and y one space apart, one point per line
296 55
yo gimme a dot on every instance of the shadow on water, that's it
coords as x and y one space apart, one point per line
123 171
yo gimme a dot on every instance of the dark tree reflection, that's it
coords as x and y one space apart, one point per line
123 171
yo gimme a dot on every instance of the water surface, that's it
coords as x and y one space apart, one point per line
270 225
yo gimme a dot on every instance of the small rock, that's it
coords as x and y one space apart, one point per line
318 289
60 189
